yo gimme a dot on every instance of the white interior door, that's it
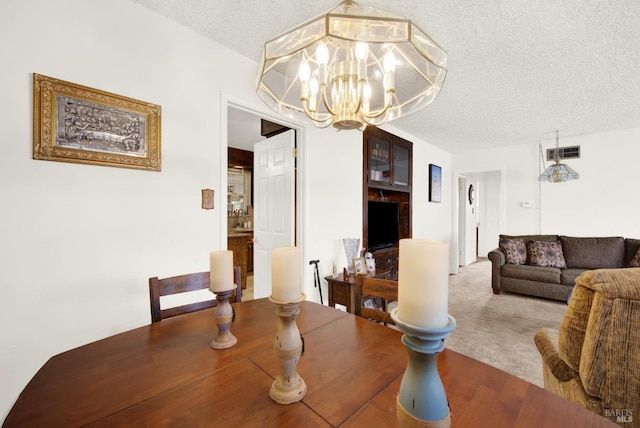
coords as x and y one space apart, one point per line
274 203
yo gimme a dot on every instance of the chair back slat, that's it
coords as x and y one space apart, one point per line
185 309
377 315
182 284
384 289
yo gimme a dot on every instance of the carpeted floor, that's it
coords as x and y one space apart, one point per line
498 329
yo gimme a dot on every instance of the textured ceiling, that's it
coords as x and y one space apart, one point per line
518 69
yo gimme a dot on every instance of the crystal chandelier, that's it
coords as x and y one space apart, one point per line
558 172
351 67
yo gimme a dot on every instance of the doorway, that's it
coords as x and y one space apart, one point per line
243 131
481 221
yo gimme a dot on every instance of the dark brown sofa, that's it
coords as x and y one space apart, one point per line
580 254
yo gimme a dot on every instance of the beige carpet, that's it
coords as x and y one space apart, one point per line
498 329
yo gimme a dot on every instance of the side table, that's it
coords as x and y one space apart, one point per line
348 293
344 293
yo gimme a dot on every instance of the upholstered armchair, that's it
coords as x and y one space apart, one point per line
594 359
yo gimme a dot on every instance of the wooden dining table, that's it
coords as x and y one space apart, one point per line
166 374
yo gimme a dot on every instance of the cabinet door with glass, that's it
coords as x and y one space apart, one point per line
388 160
379 164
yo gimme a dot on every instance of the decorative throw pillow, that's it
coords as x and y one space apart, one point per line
515 250
635 261
546 253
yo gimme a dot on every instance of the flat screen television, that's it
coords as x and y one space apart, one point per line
382 225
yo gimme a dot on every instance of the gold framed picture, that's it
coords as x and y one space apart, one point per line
78 124
359 266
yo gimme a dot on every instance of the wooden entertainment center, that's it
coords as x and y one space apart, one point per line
387 174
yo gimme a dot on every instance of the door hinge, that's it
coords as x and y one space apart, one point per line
294 152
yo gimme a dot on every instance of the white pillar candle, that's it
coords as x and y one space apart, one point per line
221 271
423 283
286 278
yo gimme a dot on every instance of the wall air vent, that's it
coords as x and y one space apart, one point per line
571 152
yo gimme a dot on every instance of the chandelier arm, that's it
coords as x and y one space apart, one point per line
315 117
321 125
383 110
323 96
373 122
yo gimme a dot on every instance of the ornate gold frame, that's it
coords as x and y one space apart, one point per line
74 123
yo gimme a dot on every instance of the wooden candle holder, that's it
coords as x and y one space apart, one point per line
224 317
288 387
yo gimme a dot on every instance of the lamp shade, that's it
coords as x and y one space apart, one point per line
558 173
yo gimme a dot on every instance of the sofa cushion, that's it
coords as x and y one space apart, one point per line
631 247
546 254
532 273
568 276
514 249
635 262
593 253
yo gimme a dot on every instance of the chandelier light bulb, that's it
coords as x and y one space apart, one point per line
314 86
389 62
366 97
362 51
366 92
322 54
304 72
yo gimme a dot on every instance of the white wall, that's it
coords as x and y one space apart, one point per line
601 203
334 178
81 241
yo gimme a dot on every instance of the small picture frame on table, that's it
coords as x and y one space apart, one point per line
359 266
371 265
370 303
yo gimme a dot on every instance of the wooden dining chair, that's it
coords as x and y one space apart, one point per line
378 293
182 284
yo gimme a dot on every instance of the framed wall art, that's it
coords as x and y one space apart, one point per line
74 123
208 196
435 183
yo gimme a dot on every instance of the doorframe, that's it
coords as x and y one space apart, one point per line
301 156
459 208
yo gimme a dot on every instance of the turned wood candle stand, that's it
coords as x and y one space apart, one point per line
288 387
422 400
224 317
